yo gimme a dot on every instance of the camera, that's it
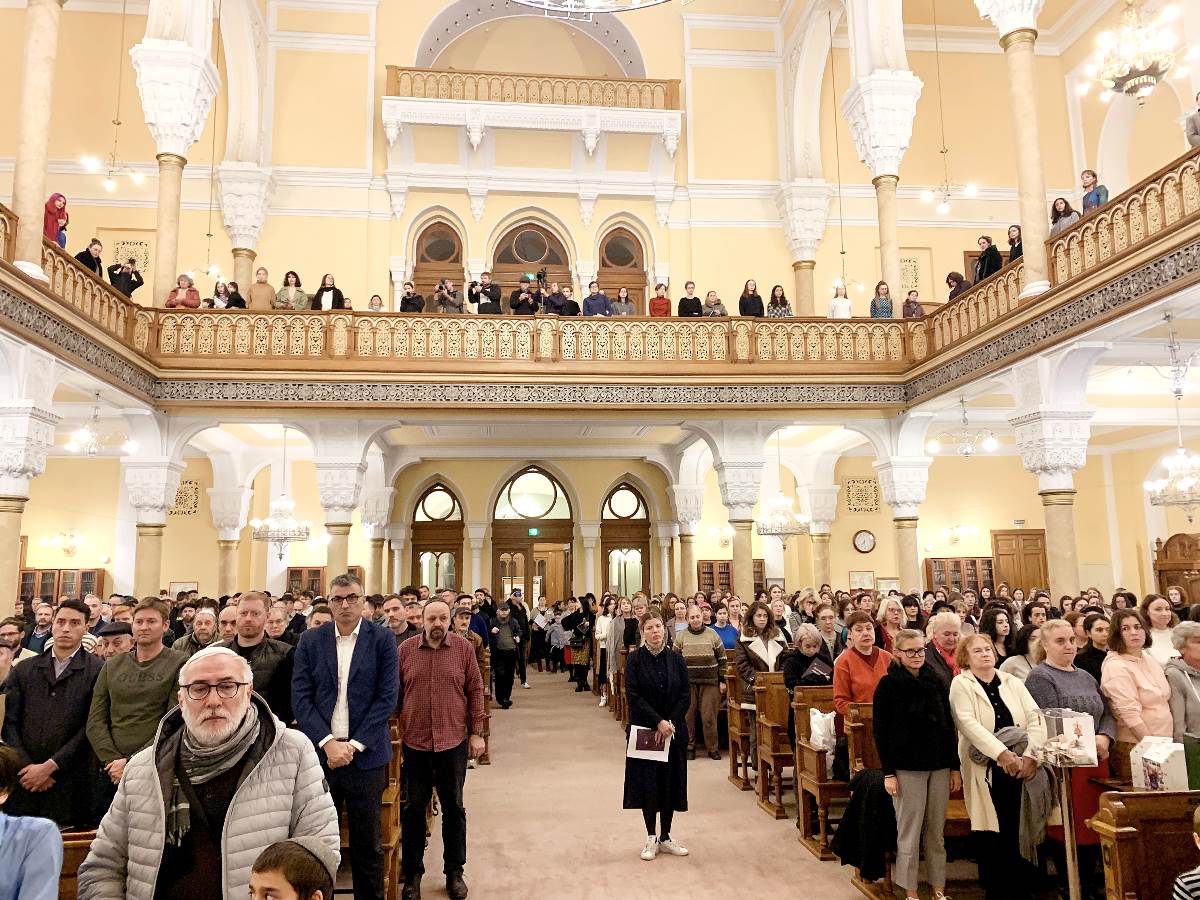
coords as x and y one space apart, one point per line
541 275
471 286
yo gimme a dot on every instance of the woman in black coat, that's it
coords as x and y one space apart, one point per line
657 691
989 262
578 626
327 290
750 303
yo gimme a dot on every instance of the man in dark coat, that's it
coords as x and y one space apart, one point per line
90 258
45 720
126 278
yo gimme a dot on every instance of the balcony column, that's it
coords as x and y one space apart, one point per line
397 534
151 485
585 576
822 508
902 482
373 567
803 205
230 509
339 484
245 191
1053 445
26 435
475 535
665 532
1016 21
687 501
879 109
374 513
177 82
33 138
741 482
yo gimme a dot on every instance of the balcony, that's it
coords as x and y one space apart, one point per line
1143 245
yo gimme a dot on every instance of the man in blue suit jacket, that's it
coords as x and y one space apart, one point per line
344 688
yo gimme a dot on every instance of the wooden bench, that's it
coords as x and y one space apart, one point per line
775 750
76 845
1146 838
739 732
485 758
815 790
620 708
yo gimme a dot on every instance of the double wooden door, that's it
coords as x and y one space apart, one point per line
533 555
1019 555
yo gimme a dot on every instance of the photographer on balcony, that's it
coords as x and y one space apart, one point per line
553 304
484 296
410 300
596 303
449 302
525 300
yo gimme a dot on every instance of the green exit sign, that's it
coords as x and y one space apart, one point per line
533 532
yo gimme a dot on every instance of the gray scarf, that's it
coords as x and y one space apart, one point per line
202 763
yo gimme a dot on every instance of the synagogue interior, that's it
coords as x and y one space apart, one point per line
396 288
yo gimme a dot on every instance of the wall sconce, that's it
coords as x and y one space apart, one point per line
723 535
66 541
955 533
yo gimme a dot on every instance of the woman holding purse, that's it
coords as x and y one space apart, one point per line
658 694
578 626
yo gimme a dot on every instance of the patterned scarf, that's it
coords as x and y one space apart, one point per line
201 764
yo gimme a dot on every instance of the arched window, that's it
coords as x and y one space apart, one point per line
532 534
625 540
526 250
532 494
623 265
439 255
437 539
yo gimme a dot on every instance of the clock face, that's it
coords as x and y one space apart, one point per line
864 541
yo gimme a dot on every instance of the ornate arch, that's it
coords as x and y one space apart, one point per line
1116 135
533 216
622 262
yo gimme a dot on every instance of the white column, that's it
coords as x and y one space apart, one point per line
339 484
772 549
822 509
152 485
688 503
589 536
475 534
902 481
245 192
397 534
26 435
230 508
665 532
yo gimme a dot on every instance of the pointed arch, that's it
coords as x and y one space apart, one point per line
412 503
623 261
625 538
643 489
427 217
438 550
516 498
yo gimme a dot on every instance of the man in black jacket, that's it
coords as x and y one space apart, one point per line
126 278
524 300
90 258
45 719
271 661
485 296
410 300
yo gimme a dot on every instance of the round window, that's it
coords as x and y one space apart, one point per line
530 246
624 503
438 504
441 247
532 495
620 252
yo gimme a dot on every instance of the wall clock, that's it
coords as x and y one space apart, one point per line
864 541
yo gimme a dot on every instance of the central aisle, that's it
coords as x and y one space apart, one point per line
544 821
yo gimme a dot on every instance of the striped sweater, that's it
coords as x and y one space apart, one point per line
703 654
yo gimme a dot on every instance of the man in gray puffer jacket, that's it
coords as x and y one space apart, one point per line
223 780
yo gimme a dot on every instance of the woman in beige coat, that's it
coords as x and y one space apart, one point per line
983 700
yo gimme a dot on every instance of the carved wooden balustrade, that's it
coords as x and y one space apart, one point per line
501 87
1165 200
990 300
8 233
78 288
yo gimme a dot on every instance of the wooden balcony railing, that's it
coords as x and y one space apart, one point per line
503 87
984 303
8 233
1167 199
78 288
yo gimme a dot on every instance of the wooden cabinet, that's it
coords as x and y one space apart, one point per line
312 578
717 575
50 584
957 573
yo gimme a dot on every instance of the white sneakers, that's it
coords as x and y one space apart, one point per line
603 700
525 684
654 847
672 848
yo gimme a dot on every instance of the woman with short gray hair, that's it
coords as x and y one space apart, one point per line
1183 675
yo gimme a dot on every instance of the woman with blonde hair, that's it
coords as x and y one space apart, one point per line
891 619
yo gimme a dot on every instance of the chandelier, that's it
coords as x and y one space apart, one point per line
965 442
110 165
89 440
947 189
584 10
1135 58
781 520
1181 487
280 527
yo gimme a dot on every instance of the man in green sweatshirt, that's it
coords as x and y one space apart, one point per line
134 691
704 655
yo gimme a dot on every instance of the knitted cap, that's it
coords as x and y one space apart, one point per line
326 856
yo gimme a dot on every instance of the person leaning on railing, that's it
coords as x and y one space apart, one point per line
957 284
185 294
1095 194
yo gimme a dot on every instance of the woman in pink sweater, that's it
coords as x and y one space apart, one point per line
860 667
1134 682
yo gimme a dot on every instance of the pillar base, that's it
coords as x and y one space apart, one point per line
1033 289
32 270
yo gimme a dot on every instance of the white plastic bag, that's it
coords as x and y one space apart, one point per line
823 735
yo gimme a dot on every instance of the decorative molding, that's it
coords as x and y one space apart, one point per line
339 485
688 504
26 436
741 483
862 495
152 486
376 508
177 83
902 483
822 505
230 510
187 498
1011 15
246 191
879 110
803 206
1053 445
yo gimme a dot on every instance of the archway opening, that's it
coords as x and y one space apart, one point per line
529 250
625 541
623 265
439 255
437 539
532 531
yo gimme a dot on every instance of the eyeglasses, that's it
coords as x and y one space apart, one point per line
913 654
226 690
344 601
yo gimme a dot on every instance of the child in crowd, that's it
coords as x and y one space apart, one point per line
302 868
556 638
1187 885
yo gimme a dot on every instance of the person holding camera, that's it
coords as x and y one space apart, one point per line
485 296
125 278
524 300
448 300
596 303
553 304
410 300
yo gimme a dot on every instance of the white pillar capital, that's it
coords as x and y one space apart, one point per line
339 484
26 436
803 206
177 83
246 191
475 534
688 500
376 507
879 109
230 509
740 481
666 532
151 485
589 533
397 535
902 482
1010 15
822 507
1053 444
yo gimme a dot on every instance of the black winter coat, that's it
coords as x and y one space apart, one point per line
988 263
808 671
751 306
91 263
690 308
868 829
913 727
336 300
656 688
412 304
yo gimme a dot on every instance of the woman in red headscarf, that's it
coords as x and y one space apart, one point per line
55 219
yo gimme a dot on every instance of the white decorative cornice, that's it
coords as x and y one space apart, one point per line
803 206
246 191
151 485
229 509
1053 444
879 110
26 436
177 84
902 482
1010 15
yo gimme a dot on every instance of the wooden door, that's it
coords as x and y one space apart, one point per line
1020 558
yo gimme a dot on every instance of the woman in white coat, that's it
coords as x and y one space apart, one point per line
983 700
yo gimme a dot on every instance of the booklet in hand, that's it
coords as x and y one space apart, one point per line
647 743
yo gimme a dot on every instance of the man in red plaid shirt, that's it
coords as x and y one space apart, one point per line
441 700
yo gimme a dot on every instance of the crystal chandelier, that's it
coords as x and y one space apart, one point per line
1135 58
280 527
89 440
1181 487
947 189
781 520
965 442
583 10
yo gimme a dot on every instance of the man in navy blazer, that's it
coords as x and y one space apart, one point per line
344 688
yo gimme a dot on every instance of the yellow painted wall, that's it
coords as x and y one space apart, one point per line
627 152
57 504
322 21
752 40
533 149
190 542
435 144
744 146
320 109
843 558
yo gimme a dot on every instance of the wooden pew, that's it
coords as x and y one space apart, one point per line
76 845
739 732
815 790
1146 837
775 751
485 758
619 703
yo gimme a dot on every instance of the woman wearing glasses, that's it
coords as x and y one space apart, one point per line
914 733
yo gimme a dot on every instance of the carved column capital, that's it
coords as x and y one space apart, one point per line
902 482
230 509
822 507
1010 15
1053 445
741 482
246 191
376 507
151 485
688 501
26 436
879 110
339 485
803 206
177 83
